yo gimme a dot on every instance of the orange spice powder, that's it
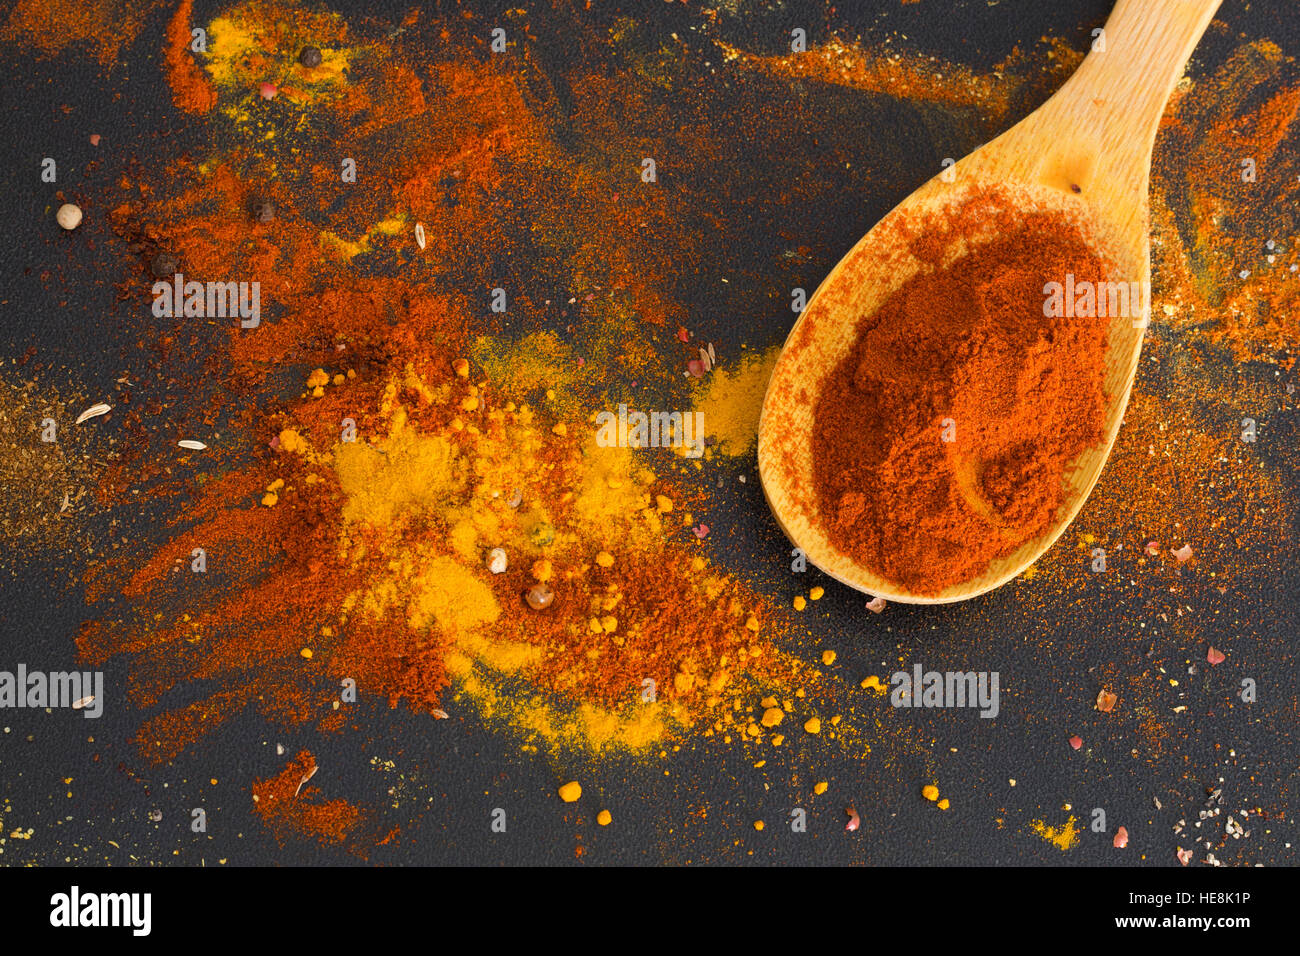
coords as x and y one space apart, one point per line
286 804
191 90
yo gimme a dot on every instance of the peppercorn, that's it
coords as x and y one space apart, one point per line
539 596
164 265
68 216
309 57
264 211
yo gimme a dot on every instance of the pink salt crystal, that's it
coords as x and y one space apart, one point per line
1076 741
1121 838
1215 656
268 91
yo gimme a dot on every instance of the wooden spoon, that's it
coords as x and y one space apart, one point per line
1085 153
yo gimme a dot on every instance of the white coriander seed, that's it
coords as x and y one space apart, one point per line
68 216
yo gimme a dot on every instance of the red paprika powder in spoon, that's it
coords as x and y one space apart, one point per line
942 440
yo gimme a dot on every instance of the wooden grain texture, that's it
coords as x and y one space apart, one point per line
1086 154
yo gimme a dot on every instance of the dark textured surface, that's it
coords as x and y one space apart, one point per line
699 805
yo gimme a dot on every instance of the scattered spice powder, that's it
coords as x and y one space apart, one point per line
47 484
1063 837
287 805
107 27
732 401
191 90
372 554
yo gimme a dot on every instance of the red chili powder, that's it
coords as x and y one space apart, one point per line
942 439
285 804
191 90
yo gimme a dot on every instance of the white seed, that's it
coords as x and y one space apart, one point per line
68 216
419 235
307 776
94 411
191 444
81 702
497 560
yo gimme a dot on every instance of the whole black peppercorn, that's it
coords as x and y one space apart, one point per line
164 265
309 57
264 211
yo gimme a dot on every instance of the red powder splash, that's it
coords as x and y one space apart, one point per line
191 90
287 805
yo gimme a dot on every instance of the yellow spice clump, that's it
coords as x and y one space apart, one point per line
571 791
292 442
930 792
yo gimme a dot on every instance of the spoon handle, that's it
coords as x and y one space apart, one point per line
1100 127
